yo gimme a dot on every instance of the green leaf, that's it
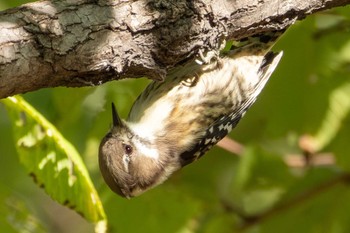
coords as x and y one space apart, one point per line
20 218
246 167
339 106
53 162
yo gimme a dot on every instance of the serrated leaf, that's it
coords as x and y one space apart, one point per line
53 162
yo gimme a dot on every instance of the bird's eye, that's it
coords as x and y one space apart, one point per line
127 149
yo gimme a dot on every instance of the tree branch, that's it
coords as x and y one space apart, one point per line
249 221
89 42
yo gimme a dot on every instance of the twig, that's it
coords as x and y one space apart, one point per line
292 160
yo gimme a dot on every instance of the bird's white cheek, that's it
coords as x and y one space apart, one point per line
126 160
147 151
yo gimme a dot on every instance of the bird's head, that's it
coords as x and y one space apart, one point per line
130 165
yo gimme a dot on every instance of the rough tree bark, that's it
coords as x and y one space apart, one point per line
89 42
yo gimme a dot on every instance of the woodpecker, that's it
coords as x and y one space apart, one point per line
174 122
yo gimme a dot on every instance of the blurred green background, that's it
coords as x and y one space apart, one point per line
309 94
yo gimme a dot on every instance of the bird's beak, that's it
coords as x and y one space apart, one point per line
116 119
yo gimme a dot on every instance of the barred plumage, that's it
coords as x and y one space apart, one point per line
173 123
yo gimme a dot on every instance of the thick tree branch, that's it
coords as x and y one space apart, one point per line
89 42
